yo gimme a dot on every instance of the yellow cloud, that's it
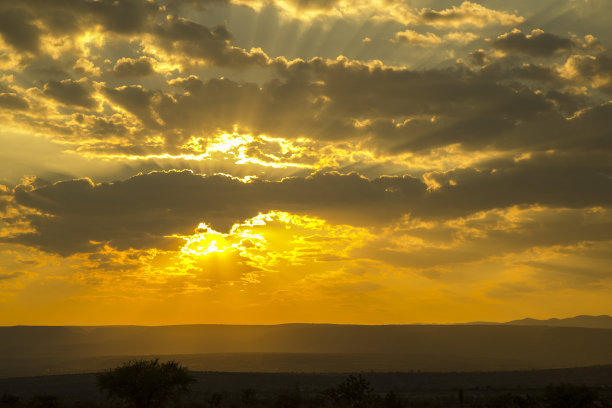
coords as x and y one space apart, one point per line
412 37
467 13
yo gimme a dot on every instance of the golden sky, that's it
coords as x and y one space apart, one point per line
273 161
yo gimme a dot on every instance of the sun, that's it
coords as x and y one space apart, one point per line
206 241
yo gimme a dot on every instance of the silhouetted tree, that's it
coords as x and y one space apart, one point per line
146 384
354 392
570 396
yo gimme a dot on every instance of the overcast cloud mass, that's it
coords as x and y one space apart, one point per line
246 161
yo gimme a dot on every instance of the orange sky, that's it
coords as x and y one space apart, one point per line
242 161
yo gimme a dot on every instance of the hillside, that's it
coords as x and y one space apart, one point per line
30 350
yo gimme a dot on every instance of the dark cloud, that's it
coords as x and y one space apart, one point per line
538 43
185 38
119 16
541 73
544 179
13 101
143 211
123 16
314 4
70 92
18 30
394 110
135 99
177 36
129 67
479 57
322 100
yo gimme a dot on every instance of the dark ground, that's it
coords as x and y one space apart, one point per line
415 388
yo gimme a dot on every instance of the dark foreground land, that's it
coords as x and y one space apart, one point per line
575 387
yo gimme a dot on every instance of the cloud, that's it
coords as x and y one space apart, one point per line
467 13
71 93
18 30
386 110
178 38
412 37
461 37
13 101
23 24
548 180
10 275
595 71
185 38
538 43
85 67
479 57
415 38
509 235
5 197
136 100
129 67
143 211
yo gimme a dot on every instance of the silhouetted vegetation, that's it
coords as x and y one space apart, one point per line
149 384
572 396
354 392
9 400
146 384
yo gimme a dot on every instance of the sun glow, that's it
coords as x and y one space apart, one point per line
206 241
276 240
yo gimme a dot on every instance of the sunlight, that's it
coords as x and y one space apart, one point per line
276 238
206 241
226 143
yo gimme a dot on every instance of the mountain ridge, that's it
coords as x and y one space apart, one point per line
586 321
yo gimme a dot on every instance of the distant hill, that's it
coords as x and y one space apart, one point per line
595 322
35 350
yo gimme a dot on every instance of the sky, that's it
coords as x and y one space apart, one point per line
274 161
